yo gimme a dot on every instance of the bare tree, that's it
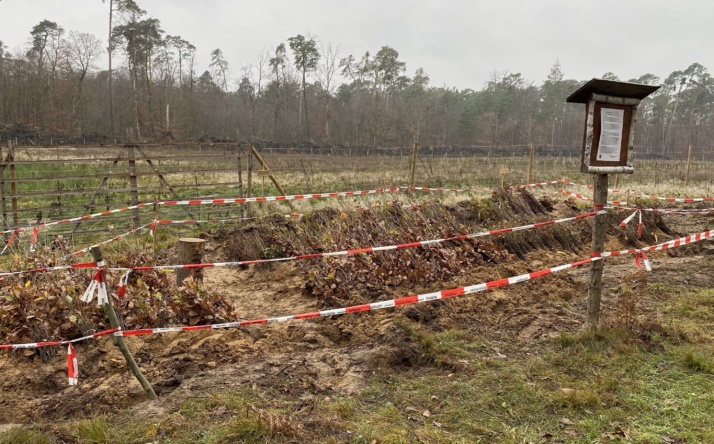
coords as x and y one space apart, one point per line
326 76
81 51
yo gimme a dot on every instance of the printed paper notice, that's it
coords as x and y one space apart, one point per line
611 123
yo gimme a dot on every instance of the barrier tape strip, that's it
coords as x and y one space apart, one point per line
407 300
591 187
364 250
73 374
210 202
45 270
663 246
445 190
647 196
278 198
116 238
629 218
72 366
31 345
640 226
675 199
321 255
213 221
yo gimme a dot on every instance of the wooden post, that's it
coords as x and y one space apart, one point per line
190 251
13 184
262 194
249 189
119 340
3 203
240 181
412 171
617 181
530 163
133 185
272 178
503 171
689 166
156 228
598 242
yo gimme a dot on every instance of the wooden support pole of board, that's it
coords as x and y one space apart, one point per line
598 243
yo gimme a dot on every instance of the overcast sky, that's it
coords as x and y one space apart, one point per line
459 43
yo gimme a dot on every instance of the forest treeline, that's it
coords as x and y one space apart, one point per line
305 90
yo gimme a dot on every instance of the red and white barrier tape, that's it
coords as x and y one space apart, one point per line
212 202
99 285
213 221
278 198
647 196
47 269
408 300
364 250
444 294
32 345
115 238
663 246
629 218
444 190
541 184
321 255
590 187
675 199
80 218
640 226
569 193
72 367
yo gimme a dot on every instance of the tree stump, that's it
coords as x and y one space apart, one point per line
190 251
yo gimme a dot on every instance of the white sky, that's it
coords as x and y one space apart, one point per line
457 42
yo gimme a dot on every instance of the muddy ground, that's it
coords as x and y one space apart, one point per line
335 356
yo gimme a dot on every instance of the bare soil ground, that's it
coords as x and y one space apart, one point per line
332 356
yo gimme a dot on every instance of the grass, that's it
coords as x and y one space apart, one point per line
582 387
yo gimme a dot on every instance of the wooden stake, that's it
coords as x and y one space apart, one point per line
530 163
3 203
119 340
272 178
240 181
133 184
412 170
617 181
249 187
13 184
598 242
156 228
689 166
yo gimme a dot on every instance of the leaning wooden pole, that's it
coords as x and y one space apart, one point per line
598 243
119 340
270 174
